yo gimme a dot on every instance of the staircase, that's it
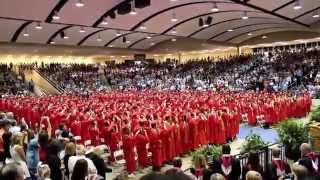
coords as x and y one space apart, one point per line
43 86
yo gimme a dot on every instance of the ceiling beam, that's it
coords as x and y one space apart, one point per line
88 36
305 13
19 30
201 15
140 40
174 7
54 35
117 37
240 27
225 21
269 12
57 8
283 6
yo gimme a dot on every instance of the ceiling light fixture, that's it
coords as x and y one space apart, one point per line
79 3
65 36
149 37
174 17
143 27
174 31
230 30
316 14
118 33
152 43
82 30
245 16
110 45
264 37
26 34
214 7
99 39
173 39
128 41
297 5
133 9
55 16
52 42
38 26
104 21
249 34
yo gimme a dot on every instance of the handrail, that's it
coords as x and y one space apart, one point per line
55 85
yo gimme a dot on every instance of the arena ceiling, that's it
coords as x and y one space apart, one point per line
137 24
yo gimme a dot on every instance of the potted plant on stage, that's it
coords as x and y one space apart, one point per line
210 152
292 133
253 142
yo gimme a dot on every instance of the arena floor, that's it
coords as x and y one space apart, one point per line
269 135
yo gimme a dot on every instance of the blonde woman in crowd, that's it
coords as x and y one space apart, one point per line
253 175
17 153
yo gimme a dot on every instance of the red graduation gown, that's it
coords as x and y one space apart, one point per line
142 140
128 151
156 147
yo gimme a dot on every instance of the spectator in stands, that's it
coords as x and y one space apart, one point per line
253 175
80 154
300 172
98 162
277 167
17 153
53 160
309 159
217 176
44 172
80 171
32 154
43 142
11 171
199 166
253 164
227 165
4 130
70 150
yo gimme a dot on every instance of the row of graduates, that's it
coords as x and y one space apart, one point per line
167 124
164 139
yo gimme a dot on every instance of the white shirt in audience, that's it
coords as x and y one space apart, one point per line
72 162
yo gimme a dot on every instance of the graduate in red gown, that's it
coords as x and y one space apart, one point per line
221 136
193 124
142 140
177 138
156 146
114 140
76 127
94 133
184 132
128 150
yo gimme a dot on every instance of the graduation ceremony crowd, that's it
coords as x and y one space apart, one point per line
278 70
150 115
165 123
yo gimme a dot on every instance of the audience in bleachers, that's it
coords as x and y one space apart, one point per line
77 78
273 71
11 83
